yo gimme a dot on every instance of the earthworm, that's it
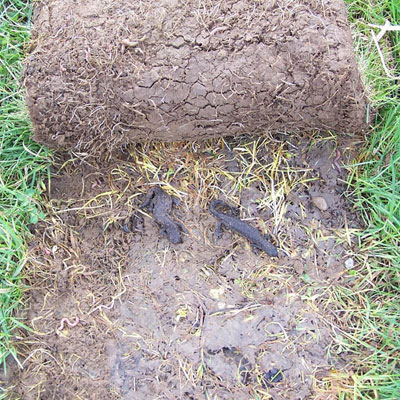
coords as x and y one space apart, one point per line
69 323
336 161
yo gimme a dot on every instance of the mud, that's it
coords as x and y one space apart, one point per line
202 319
109 73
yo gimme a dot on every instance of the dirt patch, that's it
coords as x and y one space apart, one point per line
203 319
119 72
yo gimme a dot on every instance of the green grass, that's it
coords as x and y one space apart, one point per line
381 90
22 166
374 299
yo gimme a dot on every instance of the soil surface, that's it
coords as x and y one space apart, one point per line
115 72
205 319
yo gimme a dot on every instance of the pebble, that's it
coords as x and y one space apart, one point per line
217 293
320 203
349 263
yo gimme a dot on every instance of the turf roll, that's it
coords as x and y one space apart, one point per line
103 73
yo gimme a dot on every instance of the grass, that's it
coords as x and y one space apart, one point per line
22 166
372 304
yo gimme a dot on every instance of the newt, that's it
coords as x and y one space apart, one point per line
257 240
160 203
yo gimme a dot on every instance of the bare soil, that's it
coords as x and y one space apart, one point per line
205 319
114 72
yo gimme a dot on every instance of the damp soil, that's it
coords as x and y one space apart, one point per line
206 318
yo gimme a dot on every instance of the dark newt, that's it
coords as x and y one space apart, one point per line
160 204
244 229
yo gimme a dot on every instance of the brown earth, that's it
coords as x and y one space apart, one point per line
205 319
106 72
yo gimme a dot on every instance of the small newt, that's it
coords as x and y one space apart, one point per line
244 229
160 204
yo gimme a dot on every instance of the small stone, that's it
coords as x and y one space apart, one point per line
320 203
349 263
217 293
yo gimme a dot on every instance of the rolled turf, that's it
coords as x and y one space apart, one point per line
105 72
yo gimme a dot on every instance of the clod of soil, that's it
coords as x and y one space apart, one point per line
124 71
